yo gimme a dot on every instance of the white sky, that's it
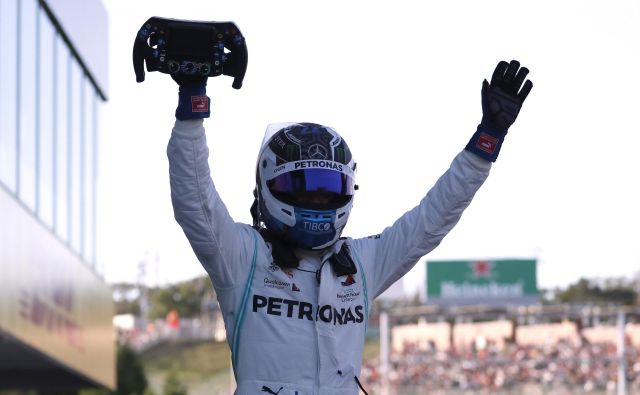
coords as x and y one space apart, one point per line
401 82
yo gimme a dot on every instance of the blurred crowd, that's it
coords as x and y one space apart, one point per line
563 367
146 334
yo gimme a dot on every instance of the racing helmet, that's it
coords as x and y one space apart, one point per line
305 181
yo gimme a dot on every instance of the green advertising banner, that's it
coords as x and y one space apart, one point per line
503 280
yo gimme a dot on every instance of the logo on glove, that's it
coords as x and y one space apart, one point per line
487 143
199 104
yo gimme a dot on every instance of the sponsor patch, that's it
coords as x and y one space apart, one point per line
312 164
199 104
306 311
487 143
273 283
317 226
348 295
348 281
318 164
275 268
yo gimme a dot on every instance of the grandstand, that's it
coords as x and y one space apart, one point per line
534 349
502 341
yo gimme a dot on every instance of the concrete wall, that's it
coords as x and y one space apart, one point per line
50 300
466 334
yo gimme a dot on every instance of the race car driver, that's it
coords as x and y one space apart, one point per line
294 294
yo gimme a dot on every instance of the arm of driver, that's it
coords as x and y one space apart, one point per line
221 245
399 247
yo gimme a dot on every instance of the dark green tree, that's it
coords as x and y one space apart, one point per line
131 379
610 291
173 386
185 297
130 373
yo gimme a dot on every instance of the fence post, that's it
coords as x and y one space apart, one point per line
622 377
384 352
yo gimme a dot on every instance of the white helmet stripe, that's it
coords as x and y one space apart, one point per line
311 164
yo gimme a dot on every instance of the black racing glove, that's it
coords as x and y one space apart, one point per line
193 102
501 103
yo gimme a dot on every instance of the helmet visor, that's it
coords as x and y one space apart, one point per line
320 189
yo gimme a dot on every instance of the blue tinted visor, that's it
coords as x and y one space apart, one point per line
321 189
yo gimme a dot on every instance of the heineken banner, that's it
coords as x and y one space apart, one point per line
502 281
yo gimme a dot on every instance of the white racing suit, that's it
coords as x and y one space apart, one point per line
301 331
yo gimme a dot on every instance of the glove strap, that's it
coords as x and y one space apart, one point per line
193 102
486 142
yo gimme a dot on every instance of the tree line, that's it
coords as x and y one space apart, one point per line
194 297
189 299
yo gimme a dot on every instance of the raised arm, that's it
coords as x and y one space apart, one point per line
222 246
390 255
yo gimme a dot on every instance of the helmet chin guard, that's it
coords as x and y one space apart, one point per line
305 184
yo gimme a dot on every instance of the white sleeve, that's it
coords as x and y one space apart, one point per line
222 246
390 255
